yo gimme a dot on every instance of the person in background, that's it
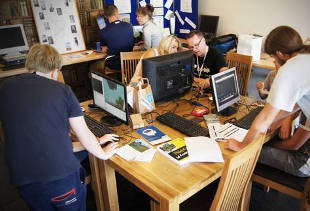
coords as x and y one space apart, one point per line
36 117
209 61
290 89
151 32
116 37
169 44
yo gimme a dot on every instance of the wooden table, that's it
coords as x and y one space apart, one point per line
66 59
265 62
164 181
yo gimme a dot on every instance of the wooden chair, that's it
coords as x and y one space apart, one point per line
129 61
297 187
232 193
243 64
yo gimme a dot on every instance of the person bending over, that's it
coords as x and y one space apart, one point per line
36 113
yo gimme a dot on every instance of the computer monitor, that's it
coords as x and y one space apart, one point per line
13 40
225 91
170 75
101 22
111 96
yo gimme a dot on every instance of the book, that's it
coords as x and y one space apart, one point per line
153 135
175 150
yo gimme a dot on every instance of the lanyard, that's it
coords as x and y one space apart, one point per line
199 69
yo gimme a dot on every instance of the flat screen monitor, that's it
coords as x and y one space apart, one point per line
13 40
111 96
170 75
101 22
225 91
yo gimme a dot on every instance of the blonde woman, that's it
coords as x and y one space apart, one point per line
169 44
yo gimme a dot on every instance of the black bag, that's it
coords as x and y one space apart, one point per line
224 43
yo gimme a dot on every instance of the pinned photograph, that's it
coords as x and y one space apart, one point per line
76 41
44 38
46 26
36 3
67 3
43 5
41 15
68 46
71 18
59 11
73 29
50 40
52 8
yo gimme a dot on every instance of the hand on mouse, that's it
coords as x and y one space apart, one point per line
108 137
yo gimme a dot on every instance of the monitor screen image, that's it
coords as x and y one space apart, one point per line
110 95
225 90
101 22
13 39
170 75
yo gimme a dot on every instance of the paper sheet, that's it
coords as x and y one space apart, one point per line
146 156
123 6
168 15
126 152
124 17
186 6
158 11
184 31
142 3
221 132
168 4
179 17
203 149
190 22
130 95
157 3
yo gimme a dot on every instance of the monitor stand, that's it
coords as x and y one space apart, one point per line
110 121
225 112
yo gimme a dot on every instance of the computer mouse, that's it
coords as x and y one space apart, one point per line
200 111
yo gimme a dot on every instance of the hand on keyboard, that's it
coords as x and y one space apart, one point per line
108 138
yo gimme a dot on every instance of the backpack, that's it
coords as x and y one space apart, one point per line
224 43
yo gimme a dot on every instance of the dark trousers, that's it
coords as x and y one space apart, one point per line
68 193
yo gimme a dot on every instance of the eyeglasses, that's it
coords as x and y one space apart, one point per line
195 45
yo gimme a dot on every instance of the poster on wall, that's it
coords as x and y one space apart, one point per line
58 24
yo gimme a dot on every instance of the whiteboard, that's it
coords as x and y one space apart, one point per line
58 24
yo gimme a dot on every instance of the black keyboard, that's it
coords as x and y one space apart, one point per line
96 127
12 67
246 121
183 125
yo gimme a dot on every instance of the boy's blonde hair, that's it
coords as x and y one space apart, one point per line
166 43
43 58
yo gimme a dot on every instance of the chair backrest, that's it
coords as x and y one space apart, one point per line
243 64
129 61
238 169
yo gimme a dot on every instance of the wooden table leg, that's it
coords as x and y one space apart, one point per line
108 186
95 181
164 206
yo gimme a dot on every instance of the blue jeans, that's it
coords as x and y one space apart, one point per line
68 193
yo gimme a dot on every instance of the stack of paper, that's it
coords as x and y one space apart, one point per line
137 150
203 149
221 132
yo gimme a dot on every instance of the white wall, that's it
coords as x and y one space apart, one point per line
258 16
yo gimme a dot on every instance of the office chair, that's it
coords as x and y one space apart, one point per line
233 190
208 25
129 61
243 64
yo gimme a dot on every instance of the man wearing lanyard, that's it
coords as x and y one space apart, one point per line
116 37
208 61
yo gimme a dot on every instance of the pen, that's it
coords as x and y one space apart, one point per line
225 129
233 132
